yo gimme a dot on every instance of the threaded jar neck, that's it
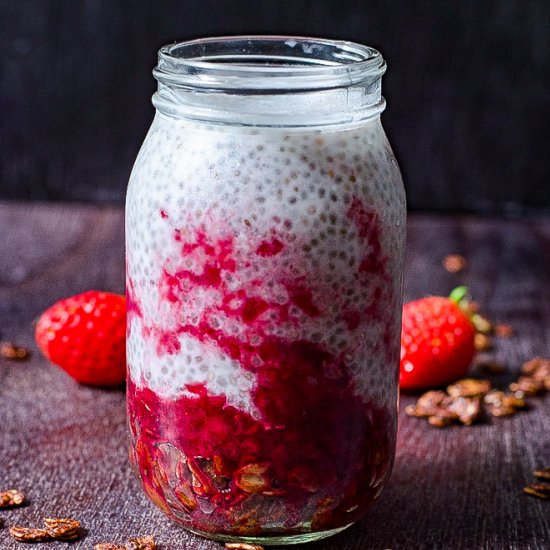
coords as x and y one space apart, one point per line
274 81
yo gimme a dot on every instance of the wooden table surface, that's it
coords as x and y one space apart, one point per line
458 488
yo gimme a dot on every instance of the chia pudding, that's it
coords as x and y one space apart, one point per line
264 275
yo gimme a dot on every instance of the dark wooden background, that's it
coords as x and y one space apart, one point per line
468 90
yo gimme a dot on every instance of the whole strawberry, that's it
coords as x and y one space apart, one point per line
437 341
85 336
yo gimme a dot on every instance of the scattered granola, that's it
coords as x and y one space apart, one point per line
243 546
542 473
454 263
467 409
12 352
528 385
427 404
62 528
464 399
141 543
539 370
539 490
469 387
500 403
11 498
28 534
441 409
136 543
532 367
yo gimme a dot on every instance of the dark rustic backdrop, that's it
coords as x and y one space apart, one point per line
468 89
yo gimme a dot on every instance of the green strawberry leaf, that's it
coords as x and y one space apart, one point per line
458 294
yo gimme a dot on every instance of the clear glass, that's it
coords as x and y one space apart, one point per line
265 228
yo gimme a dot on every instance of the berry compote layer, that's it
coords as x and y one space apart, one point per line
264 296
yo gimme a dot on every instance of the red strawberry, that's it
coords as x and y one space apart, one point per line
85 336
437 341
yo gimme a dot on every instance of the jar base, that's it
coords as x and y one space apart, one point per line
272 540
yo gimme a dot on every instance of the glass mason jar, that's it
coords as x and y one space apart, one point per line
265 225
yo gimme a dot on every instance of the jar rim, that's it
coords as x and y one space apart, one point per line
267 62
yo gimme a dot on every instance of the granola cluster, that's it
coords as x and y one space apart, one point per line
64 529
467 400
136 543
60 529
11 498
461 403
535 377
541 488
10 351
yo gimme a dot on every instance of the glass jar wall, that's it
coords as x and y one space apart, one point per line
265 223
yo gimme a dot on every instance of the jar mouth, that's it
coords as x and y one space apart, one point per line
267 63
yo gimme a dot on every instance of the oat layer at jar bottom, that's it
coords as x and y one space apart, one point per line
217 470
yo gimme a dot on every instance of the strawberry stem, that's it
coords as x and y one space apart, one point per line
459 297
458 294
